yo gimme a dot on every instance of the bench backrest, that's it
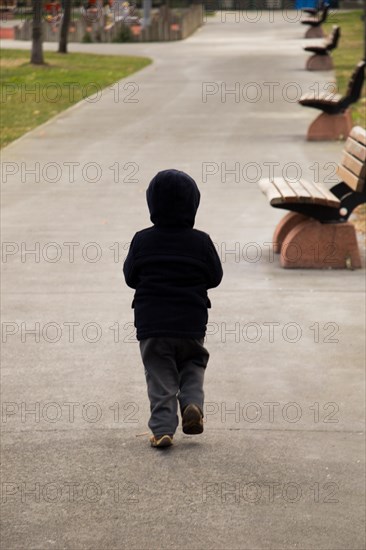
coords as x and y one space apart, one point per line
324 14
355 84
352 168
332 41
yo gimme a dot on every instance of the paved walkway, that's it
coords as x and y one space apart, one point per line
281 462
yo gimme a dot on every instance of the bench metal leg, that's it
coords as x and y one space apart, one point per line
330 127
283 228
314 32
313 245
319 63
350 199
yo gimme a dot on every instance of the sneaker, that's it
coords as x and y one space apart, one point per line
192 420
161 441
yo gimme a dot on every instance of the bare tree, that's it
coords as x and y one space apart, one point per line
64 31
37 49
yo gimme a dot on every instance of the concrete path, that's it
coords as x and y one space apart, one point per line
281 462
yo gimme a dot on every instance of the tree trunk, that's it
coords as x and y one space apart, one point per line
37 50
64 31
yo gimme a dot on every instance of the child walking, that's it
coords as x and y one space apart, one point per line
171 266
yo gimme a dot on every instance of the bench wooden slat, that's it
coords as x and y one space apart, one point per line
331 199
353 165
271 192
352 168
358 134
318 196
356 149
301 192
355 182
285 190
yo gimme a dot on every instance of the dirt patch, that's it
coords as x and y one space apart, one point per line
10 63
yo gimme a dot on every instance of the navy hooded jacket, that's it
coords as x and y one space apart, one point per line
171 265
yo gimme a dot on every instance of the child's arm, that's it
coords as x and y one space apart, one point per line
129 268
214 266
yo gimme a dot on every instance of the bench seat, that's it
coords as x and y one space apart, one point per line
280 190
318 50
311 21
326 97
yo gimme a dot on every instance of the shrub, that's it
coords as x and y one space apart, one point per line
87 39
123 35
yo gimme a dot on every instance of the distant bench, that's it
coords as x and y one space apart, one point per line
316 233
321 60
335 121
313 11
315 22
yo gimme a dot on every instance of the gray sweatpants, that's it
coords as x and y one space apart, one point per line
174 370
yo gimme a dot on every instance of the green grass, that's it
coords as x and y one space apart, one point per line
69 78
345 57
348 53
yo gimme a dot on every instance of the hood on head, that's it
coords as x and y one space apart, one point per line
173 198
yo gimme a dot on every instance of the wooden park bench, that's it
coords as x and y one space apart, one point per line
316 232
315 22
335 121
321 60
